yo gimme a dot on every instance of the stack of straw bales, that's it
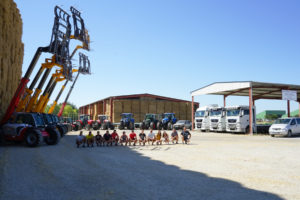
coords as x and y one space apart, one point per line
11 52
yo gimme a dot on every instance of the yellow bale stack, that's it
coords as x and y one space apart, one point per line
11 52
152 106
160 107
117 109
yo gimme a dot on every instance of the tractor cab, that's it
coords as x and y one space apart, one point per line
149 117
47 119
102 118
150 121
83 119
126 115
169 117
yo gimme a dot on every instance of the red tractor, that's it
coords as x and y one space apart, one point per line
102 122
29 128
84 122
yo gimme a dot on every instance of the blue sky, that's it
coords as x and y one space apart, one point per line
171 47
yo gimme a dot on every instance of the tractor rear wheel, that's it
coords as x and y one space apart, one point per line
112 127
66 129
33 137
53 138
103 127
61 130
75 127
143 125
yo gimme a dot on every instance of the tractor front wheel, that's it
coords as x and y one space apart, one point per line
131 126
87 127
152 125
103 127
159 126
170 126
121 126
143 125
53 137
75 127
33 137
112 127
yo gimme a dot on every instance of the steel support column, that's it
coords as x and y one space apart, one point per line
111 109
224 100
288 109
193 113
104 107
299 109
250 111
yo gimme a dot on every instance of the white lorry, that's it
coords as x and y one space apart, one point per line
217 117
237 119
202 121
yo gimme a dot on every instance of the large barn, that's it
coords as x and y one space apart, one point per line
139 105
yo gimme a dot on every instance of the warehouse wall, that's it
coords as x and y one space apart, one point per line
139 108
11 52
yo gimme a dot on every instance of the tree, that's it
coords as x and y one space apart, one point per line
69 110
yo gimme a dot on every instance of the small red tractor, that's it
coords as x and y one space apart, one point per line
102 122
84 122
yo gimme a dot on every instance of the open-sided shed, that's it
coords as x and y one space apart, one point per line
254 90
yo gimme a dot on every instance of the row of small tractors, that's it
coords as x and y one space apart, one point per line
26 119
159 121
154 121
85 122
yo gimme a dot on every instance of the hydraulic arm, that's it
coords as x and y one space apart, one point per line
81 34
53 47
59 46
84 68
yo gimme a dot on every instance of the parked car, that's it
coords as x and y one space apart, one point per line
183 123
285 127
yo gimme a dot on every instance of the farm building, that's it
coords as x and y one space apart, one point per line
139 105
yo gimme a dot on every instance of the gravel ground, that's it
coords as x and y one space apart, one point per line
213 166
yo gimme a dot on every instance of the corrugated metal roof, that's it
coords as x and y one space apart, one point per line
145 95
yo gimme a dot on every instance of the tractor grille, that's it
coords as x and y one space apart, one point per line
232 120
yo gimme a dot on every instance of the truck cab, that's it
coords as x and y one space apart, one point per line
202 121
237 119
217 117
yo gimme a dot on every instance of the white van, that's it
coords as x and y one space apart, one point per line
285 127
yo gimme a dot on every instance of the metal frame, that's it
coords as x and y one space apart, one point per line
254 90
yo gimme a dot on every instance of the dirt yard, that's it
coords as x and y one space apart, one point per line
213 166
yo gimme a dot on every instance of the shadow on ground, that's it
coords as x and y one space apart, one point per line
66 172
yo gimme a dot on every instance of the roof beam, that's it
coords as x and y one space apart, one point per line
237 91
266 93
